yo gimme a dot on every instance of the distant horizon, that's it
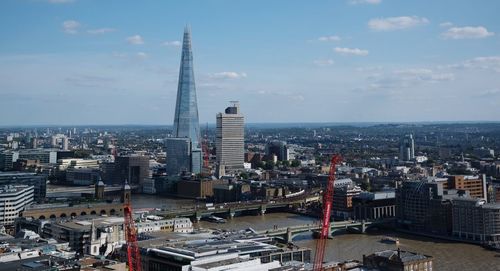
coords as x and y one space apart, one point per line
253 124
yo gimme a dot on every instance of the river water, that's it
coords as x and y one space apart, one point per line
448 256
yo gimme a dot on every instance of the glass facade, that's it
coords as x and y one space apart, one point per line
186 123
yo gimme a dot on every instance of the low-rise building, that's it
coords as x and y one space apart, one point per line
13 200
374 205
398 260
183 225
234 252
93 236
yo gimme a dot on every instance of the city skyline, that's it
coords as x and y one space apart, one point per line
86 62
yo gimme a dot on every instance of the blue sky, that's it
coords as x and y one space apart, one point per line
116 62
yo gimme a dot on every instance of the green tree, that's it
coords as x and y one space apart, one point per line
295 163
269 165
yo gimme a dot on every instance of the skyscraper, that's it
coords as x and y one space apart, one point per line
407 148
229 138
186 124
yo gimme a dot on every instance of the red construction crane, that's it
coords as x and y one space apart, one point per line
327 208
206 151
133 253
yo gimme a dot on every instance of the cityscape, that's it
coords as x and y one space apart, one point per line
215 141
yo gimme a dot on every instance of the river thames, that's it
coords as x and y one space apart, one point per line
448 256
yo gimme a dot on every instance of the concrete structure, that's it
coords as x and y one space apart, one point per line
186 123
475 220
53 211
38 181
278 148
196 189
229 138
342 201
82 176
372 206
234 252
13 200
94 236
407 148
475 185
424 206
182 225
45 156
398 260
133 168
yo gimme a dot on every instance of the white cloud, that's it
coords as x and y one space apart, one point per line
489 93
228 75
101 30
371 2
323 62
298 98
446 24
423 75
483 62
329 38
396 23
71 26
60 1
467 32
350 51
136 40
174 43
142 55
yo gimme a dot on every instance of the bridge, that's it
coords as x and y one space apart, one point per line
288 233
231 209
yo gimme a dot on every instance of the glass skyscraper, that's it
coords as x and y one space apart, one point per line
186 124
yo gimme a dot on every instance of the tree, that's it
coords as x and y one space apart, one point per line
269 165
244 175
295 163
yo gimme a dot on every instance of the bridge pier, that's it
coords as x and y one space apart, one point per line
289 236
262 209
197 215
231 213
363 227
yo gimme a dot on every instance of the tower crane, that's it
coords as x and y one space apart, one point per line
327 208
133 253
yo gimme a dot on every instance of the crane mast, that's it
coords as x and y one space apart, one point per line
133 253
327 209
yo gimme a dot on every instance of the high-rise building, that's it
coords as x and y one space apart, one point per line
132 168
186 123
65 145
407 148
229 141
178 155
278 148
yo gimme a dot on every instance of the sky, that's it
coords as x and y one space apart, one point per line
77 62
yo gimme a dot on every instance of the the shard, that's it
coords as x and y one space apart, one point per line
186 124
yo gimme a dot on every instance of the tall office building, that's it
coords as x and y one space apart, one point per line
407 148
186 124
278 148
229 138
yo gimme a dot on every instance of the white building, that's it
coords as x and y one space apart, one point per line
183 225
97 236
13 200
